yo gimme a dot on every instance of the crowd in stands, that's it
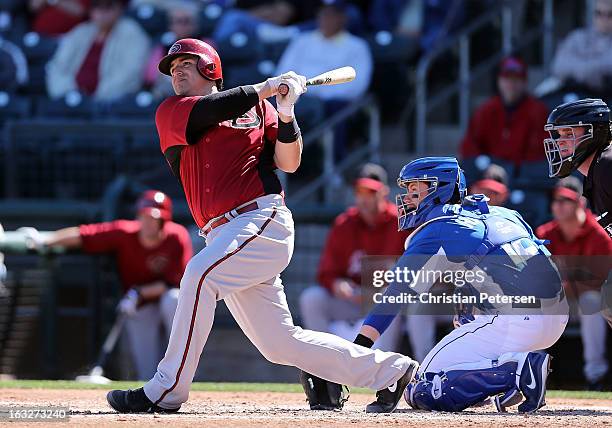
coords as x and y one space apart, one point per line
581 66
102 55
107 50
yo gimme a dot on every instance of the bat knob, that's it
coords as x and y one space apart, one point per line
283 89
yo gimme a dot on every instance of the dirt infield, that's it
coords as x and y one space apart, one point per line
250 409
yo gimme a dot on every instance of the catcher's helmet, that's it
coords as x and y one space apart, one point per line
156 204
445 181
209 63
565 153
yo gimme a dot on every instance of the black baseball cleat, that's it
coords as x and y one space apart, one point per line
387 399
134 401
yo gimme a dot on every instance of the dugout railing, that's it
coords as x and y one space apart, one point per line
460 44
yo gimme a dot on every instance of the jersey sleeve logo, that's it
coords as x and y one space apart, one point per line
247 120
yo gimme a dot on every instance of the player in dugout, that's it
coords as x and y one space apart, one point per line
151 253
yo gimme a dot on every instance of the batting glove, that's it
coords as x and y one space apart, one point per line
297 86
33 239
129 304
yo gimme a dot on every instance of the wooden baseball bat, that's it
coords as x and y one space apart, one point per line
331 77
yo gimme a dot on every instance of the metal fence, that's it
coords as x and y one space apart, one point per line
502 16
66 159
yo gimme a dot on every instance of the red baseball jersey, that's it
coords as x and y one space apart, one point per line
138 265
591 240
231 163
515 136
351 238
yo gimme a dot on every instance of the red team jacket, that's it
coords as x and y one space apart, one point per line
351 237
138 265
513 136
592 240
232 163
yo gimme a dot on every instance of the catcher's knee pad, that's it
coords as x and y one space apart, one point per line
455 390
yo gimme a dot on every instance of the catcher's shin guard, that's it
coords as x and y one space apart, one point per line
457 390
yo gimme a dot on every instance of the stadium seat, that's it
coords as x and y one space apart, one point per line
240 48
388 47
273 51
208 19
533 205
474 167
13 107
237 75
37 48
73 105
37 84
135 106
534 174
153 20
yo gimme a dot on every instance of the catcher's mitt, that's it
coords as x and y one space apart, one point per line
322 394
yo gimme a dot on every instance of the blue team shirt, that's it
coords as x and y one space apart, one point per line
494 240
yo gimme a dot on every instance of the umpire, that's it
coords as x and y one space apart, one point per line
580 135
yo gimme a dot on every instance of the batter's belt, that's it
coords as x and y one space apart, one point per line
227 217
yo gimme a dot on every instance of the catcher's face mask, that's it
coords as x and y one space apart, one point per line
408 203
561 147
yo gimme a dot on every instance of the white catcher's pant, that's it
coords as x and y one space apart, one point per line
489 336
241 264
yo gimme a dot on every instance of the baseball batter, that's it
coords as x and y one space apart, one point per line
224 146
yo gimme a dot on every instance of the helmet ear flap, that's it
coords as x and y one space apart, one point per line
205 68
199 66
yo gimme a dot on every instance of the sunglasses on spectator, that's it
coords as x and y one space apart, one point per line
603 13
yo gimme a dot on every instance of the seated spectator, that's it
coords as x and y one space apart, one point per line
54 18
263 19
330 46
509 126
13 67
367 229
103 57
574 231
151 254
493 184
183 16
583 61
427 21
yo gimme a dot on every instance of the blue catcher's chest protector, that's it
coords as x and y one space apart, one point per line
494 238
504 232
